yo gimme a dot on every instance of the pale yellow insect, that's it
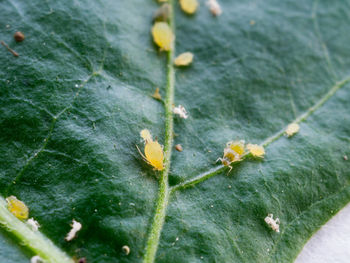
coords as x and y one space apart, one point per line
17 207
189 6
292 129
256 150
154 155
184 59
233 152
157 95
163 36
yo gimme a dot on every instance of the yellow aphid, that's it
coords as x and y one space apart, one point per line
163 36
146 135
184 59
292 129
157 95
189 6
256 150
232 153
153 151
17 207
237 146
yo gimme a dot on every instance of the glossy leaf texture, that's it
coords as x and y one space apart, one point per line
74 101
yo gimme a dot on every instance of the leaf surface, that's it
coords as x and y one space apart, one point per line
73 103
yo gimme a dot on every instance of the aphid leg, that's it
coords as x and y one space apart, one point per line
229 170
277 221
219 159
144 157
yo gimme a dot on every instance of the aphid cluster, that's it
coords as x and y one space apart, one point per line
235 150
274 224
153 151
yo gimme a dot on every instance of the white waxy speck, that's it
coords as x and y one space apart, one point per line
76 226
274 224
36 259
76 85
181 111
126 250
34 225
214 7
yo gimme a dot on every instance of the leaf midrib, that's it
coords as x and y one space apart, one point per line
164 190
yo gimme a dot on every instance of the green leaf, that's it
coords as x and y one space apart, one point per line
74 101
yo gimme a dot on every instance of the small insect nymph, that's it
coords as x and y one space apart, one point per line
17 207
189 6
292 129
256 150
184 59
163 36
233 152
274 224
153 151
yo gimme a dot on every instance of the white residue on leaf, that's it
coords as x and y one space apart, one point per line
36 259
126 250
34 225
76 226
181 111
274 224
214 7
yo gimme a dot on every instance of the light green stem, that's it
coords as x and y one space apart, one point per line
35 241
164 192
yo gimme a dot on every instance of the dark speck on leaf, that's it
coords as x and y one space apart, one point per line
18 36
